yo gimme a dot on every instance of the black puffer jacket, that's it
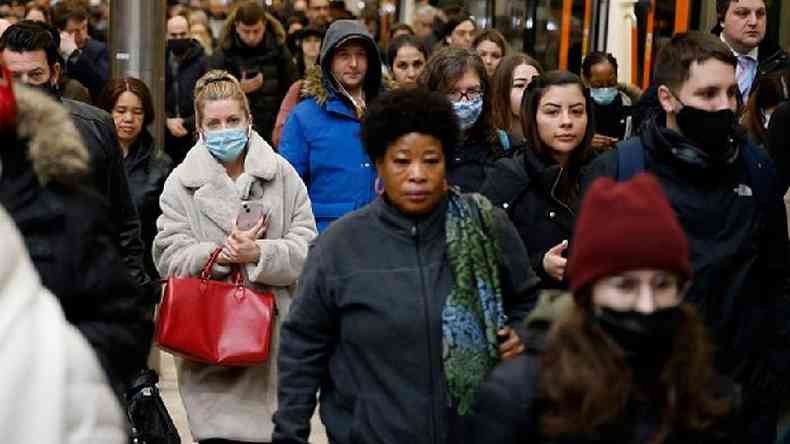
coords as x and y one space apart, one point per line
109 178
738 242
366 329
470 165
70 238
271 58
147 168
524 186
181 75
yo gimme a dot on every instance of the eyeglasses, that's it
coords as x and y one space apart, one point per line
470 95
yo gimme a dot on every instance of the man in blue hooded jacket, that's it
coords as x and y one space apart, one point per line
321 136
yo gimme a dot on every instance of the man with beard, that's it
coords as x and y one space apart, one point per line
321 135
318 13
729 201
30 51
186 63
253 49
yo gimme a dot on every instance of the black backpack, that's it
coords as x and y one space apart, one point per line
760 168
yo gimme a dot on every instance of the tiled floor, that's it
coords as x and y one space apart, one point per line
169 388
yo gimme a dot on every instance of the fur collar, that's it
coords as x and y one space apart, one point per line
313 87
200 167
55 148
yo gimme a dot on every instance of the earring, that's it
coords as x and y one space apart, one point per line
378 186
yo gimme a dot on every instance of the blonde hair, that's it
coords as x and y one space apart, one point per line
218 85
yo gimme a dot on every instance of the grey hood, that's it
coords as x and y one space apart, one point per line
338 33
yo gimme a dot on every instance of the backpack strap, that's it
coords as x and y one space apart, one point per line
630 158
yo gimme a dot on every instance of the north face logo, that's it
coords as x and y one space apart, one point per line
743 190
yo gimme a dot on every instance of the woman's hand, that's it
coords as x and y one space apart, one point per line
554 263
510 344
241 247
602 143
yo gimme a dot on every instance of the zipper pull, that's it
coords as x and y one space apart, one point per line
414 230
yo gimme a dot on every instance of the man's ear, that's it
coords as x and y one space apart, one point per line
56 70
666 99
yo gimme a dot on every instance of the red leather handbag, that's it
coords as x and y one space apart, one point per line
215 322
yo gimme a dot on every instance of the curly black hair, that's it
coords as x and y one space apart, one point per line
409 110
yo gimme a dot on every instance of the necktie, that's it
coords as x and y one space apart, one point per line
747 70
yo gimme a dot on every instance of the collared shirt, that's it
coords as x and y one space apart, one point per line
753 54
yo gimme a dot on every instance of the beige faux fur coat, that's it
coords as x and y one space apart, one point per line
199 204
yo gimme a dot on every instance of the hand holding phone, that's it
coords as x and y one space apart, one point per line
249 215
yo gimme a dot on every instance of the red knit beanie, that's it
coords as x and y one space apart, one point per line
626 226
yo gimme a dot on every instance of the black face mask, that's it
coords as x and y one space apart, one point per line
647 339
711 131
47 88
178 46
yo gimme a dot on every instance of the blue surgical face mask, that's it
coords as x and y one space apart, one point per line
603 96
226 145
468 112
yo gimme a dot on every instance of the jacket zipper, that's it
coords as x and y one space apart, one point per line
554 196
415 233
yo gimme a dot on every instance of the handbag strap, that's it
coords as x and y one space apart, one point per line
212 259
236 271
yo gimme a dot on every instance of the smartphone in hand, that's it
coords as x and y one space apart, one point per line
249 215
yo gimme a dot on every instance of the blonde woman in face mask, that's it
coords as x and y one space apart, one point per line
231 166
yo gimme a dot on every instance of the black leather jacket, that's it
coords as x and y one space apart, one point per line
109 177
147 168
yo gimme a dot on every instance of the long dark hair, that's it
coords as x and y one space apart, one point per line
502 83
769 91
568 188
586 381
444 69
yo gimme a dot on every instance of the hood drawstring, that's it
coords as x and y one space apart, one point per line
359 108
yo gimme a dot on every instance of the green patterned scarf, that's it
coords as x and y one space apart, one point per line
473 312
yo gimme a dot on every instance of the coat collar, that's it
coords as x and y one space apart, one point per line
200 167
426 227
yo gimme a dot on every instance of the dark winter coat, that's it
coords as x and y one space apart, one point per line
147 168
97 131
366 329
738 249
508 408
779 142
614 119
70 237
470 165
272 59
525 187
181 76
321 135
91 67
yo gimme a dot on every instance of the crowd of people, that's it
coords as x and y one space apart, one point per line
462 246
